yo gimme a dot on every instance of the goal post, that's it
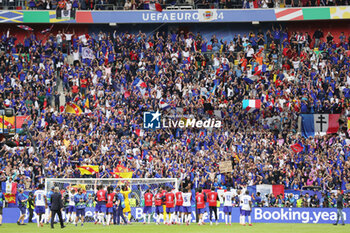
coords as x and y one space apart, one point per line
138 187
90 183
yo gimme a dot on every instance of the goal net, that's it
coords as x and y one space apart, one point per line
136 196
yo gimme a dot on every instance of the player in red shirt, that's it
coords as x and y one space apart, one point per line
178 207
158 201
212 199
147 209
110 203
200 200
169 203
101 199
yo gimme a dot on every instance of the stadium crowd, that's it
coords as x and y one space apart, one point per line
133 73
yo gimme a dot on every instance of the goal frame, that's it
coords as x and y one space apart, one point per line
160 180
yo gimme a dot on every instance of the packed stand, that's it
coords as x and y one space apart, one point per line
188 72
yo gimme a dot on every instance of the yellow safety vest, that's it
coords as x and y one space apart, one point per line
132 202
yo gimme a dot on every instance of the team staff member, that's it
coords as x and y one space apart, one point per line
120 205
80 205
22 203
56 207
340 205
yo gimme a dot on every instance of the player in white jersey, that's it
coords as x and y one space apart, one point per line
40 205
240 195
71 206
228 198
246 208
186 206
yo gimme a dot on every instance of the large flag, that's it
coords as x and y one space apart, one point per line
9 187
87 53
20 120
10 198
297 148
349 125
319 124
265 189
251 78
106 57
251 105
259 69
163 104
73 108
88 169
206 15
79 186
141 83
122 172
24 27
153 7
220 114
47 30
139 132
7 123
84 38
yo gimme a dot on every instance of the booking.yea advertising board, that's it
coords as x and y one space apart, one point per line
259 215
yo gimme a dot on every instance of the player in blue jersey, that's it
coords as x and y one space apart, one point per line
48 210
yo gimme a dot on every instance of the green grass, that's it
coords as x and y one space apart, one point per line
193 228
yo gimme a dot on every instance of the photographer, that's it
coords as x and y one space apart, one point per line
30 207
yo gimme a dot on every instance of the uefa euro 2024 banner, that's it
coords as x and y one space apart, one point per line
259 215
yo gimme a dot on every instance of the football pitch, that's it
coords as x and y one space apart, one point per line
193 228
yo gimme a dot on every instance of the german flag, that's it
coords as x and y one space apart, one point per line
73 108
88 169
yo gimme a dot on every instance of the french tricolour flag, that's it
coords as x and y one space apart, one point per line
9 187
163 104
153 7
260 69
251 105
139 132
141 84
319 124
